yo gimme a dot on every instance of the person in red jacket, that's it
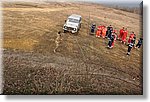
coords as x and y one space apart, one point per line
115 32
124 36
99 31
131 37
121 33
104 32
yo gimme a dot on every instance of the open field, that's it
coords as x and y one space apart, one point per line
82 63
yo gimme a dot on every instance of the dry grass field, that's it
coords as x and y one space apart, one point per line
82 63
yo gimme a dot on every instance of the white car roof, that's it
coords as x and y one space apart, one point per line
75 16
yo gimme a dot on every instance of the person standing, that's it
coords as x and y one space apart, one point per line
140 42
115 36
131 37
111 41
134 39
99 31
124 36
115 32
104 32
109 31
93 26
130 46
121 33
57 41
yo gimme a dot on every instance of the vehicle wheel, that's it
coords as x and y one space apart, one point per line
65 31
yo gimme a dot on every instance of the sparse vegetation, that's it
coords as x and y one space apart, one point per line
136 10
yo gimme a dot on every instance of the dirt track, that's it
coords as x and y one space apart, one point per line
82 64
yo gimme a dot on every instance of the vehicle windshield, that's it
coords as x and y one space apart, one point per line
73 20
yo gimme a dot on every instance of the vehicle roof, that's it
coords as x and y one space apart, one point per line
75 16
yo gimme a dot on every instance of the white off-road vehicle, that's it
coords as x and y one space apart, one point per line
72 24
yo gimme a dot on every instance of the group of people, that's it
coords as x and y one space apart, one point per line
112 35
